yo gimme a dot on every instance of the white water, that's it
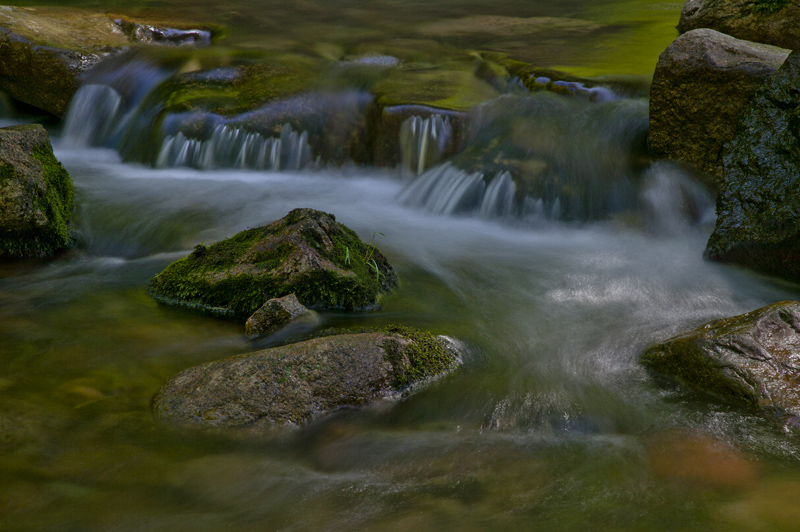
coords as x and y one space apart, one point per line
424 141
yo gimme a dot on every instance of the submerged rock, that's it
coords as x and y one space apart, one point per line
276 314
36 194
752 360
292 384
45 51
775 22
705 77
758 206
306 253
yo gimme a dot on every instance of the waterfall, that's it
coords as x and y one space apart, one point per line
94 113
448 190
235 147
423 141
672 201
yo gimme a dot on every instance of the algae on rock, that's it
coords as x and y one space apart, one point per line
307 253
36 194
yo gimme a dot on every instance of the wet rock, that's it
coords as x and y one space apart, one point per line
173 33
291 385
757 207
752 360
36 195
775 22
45 51
276 314
306 253
705 77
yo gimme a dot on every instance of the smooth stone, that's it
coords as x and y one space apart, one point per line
278 313
293 384
751 360
705 77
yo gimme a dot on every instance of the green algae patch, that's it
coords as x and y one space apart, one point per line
455 87
232 82
421 357
36 195
306 253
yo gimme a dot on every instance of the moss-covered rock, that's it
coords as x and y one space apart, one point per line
705 77
752 360
36 195
775 22
306 253
44 51
758 205
293 384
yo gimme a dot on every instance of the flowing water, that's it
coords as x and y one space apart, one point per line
551 424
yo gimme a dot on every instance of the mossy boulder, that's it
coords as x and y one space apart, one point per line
36 195
758 205
293 384
775 22
306 253
45 51
705 77
751 360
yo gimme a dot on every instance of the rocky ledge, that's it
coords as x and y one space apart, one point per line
45 51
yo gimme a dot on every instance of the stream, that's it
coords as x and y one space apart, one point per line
551 424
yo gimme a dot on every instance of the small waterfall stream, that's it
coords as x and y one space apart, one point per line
533 227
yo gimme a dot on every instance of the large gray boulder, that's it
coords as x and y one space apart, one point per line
758 206
752 360
775 22
36 195
293 384
702 84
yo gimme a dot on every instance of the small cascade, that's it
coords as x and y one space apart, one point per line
423 141
498 201
672 201
93 114
105 110
235 147
448 190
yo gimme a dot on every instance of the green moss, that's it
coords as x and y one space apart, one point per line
56 204
684 361
455 89
6 173
239 274
426 356
768 7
